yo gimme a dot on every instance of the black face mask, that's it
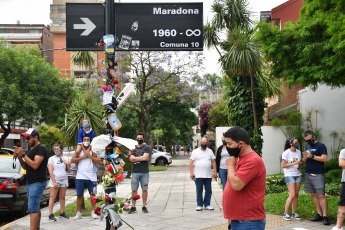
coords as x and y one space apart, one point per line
224 142
296 145
234 151
311 141
140 142
203 146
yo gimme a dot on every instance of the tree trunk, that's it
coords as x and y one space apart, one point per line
7 131
253 103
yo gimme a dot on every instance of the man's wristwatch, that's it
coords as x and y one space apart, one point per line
312 156
23 155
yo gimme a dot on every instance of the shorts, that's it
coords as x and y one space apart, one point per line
248 224
315 183
342 195
80 186
35 191
143 178
61 183
293 179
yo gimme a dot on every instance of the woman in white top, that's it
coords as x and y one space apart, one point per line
58 166
291 162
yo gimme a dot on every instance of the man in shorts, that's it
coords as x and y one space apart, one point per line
140 171
314 156
35 163
86 176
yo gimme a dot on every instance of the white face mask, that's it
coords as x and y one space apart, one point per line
57 153
86 143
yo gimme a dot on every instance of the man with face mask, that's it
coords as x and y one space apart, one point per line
140 171
203 158
35 163
314 156
244 193
86 176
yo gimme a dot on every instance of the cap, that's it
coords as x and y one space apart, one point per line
31 132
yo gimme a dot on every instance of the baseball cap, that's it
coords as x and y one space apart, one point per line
31 132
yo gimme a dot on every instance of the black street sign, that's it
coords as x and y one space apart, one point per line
84 26
159 26
138 26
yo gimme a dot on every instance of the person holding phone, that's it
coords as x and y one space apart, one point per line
314 157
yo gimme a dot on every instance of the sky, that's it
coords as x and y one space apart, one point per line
37 12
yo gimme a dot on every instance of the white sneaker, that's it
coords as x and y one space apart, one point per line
93 215
286 217
78 216
198 208
336 228
209 208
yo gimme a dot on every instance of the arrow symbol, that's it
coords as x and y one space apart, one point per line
88 27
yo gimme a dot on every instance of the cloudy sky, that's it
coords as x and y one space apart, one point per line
37 12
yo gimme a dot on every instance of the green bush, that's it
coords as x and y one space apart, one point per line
333 176
331 164
275 184
333 189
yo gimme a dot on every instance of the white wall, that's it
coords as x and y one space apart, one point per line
330 103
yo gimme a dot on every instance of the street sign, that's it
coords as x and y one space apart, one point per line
84 26
159 26
138 26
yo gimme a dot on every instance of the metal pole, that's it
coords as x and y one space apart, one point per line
109 17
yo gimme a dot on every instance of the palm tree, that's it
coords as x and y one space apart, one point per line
85 59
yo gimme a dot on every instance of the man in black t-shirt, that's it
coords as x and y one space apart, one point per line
35 163
140 171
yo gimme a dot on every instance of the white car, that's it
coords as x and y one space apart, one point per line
160 158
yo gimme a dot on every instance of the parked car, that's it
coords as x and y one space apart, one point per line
160 158
159 148
6 151
13 196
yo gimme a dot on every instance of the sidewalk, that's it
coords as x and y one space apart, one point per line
171 205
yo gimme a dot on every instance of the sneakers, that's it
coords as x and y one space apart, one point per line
336 228
78 216
318 217
93 215
286 217
132 210
295 216
144 209
199 208
326 220
52 217
63 216
74 168
209 208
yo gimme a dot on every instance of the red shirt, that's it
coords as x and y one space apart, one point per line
248 203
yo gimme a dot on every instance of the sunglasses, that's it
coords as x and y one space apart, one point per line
28 138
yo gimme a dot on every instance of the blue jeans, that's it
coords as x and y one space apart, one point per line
223 175
143 178
34 192
80 186
200 183
248 224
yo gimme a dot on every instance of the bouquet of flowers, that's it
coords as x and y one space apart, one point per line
112 175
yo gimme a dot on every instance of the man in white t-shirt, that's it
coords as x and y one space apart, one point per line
86 176
203 159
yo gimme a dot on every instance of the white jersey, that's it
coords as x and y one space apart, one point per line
85 168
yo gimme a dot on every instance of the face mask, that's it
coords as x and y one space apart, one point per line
86 143
85 125
57 153
224 142
234 151
140 141
310 142
203 146
296 145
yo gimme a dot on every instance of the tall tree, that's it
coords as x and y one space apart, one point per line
311 50
30 89
161 75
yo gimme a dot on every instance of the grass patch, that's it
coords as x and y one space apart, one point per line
157 168
71 209
275 203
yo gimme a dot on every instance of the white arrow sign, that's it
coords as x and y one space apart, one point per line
88 27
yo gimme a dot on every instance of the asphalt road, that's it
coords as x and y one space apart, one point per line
5 218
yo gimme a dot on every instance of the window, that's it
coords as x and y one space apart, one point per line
57 9
80 74
5 31
19 31
34 31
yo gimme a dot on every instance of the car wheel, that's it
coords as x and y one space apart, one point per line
24 210
161 162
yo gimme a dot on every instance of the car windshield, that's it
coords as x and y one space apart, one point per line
6 165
